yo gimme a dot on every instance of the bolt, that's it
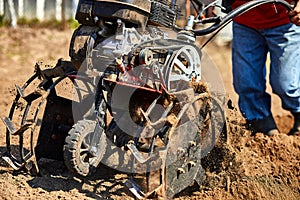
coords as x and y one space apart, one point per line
96 19
119 22
58 118
192 143
180 171
180 152
53 137
191 164
93 151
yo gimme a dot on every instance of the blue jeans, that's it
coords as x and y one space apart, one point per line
249 53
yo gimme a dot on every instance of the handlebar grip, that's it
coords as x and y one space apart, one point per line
211 20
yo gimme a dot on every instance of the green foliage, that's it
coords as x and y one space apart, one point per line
52 23
73 24
1 20
35 23
27 22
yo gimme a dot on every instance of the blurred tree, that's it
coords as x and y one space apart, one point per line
12 13
1 7
63 15
20 8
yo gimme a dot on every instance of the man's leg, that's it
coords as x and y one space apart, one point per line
249 51
284 42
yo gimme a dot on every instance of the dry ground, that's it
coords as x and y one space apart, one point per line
246 168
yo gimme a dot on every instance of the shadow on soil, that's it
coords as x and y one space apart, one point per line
54 176
104 183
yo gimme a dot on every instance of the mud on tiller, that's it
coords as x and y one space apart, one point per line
132 97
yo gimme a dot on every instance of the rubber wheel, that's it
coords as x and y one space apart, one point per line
77 157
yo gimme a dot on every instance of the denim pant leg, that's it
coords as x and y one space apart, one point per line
249 52
284 45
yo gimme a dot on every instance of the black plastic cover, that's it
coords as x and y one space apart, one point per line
133 11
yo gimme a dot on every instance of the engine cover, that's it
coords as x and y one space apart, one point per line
130 11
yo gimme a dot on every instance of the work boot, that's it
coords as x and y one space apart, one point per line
266 126
296 128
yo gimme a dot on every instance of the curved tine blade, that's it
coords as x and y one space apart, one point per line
11 160
135 189
11 128
9 125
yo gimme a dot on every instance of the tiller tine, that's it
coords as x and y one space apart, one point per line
135 189
39 71
32 96
17 165
31 140
7 156
137 155
11 160
11 128
179 149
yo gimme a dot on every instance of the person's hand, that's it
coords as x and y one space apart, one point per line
295 14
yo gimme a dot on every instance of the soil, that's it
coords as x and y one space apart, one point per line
245 167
